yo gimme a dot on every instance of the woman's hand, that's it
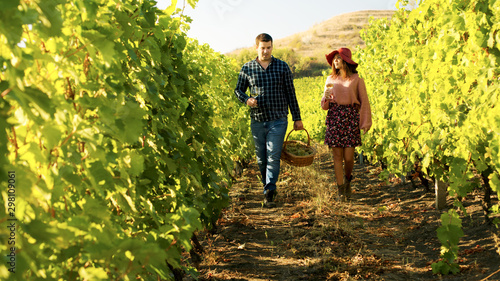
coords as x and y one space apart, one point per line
328 93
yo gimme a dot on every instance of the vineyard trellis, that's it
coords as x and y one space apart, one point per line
118 135
433 74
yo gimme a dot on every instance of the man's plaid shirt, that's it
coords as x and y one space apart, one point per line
272 87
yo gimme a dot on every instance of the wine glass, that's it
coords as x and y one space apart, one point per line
330 86
254 93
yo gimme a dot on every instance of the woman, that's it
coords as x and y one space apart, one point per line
348 107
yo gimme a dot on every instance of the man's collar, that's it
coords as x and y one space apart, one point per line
272 59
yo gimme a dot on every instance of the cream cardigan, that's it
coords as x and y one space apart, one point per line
348 91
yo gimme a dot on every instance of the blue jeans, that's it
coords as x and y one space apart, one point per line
268 138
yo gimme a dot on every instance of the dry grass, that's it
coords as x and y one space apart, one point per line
319 185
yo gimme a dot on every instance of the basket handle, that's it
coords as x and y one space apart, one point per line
308 137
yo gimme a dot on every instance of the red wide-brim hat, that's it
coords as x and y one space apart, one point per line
345 54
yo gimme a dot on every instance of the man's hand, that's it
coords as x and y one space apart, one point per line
297 125
252 102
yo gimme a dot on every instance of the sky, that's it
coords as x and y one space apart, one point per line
227 25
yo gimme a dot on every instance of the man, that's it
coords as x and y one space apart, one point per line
271 94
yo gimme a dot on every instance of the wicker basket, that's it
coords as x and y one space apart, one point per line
295 160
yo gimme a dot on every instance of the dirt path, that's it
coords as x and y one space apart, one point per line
386 232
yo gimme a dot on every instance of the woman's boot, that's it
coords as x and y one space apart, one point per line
348 189
342 192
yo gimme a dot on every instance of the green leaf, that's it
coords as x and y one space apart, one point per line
192 3
106 49
40 231
170 9
52 136
35 98
91 273
11 22
9 4
134 162
495 182
68 173
171 165
130 121
51 17
100 175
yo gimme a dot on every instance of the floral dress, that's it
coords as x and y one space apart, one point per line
342 126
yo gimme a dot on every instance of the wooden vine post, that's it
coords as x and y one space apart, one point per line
441 190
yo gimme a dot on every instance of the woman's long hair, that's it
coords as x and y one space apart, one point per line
349 69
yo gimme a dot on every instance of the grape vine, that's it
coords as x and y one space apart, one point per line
433 74
121 137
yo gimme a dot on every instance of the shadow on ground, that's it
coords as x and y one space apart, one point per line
386 232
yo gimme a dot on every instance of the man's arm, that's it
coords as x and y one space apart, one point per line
290 94
242 86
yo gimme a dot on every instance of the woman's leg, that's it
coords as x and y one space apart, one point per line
349 165
348 161
338 164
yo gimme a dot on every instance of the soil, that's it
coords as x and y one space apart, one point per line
387 231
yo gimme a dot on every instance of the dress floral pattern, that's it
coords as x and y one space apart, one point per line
342 126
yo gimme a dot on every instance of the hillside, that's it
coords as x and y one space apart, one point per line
338 31
312 45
